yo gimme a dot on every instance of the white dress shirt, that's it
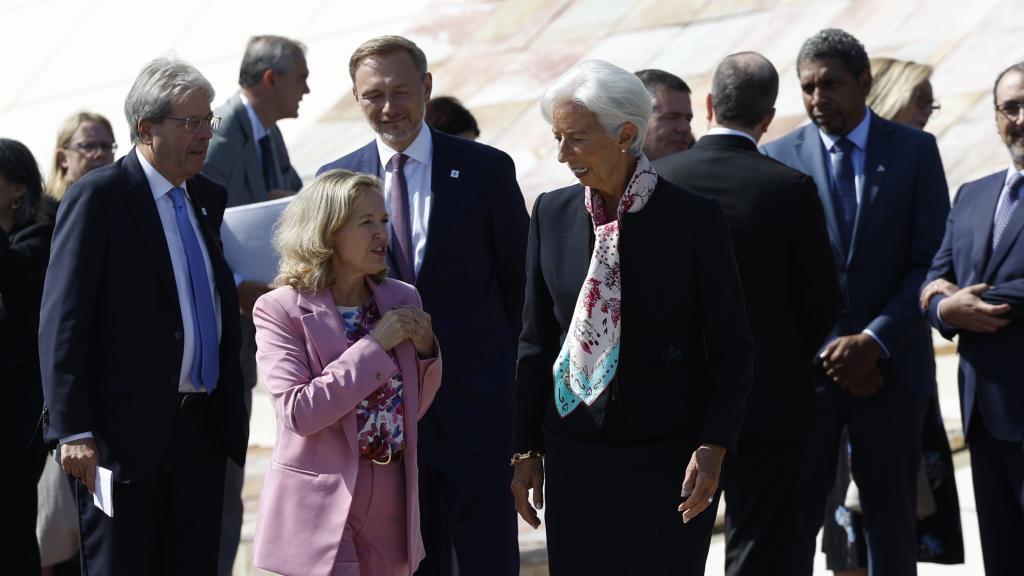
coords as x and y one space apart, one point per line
417 180
723 131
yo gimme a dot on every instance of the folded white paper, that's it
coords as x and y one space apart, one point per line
103 496
247 234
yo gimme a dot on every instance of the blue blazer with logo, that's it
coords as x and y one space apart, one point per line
898 228
472 280
989 377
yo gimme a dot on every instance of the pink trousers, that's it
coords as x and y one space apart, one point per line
374 540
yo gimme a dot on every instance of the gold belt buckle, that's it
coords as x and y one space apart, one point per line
392 457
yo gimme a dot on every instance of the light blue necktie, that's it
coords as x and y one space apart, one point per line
205 361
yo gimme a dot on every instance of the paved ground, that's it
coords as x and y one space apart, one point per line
532 542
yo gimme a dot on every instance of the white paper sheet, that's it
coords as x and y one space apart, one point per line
247 233
103 496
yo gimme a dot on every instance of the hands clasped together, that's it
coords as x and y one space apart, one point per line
405 323
964 308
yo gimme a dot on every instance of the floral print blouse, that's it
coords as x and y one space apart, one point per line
379 416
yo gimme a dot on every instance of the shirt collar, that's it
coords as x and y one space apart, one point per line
723 131
158 185
420 150
1010 172
258 131
859 135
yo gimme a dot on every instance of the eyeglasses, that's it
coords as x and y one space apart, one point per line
89 147
193 123
1010 110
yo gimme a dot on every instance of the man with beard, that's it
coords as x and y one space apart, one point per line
458 232
976 291
884 194
668 130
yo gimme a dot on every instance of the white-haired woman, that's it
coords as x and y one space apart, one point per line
635 356
350 361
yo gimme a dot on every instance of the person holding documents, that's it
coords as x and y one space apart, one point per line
139 339
350 360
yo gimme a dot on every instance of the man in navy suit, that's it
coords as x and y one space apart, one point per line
458 232
139 339
885 198
983 251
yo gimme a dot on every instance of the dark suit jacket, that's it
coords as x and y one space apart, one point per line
989 375
110 334
897 231
234 161
785 261
23 257
471 281
685 350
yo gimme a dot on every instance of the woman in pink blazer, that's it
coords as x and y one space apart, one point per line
351 364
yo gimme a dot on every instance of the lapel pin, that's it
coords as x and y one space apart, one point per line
455 174
880 168
203 210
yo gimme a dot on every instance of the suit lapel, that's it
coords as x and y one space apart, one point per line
223 278
984 214
811 152
147 220
1010 233
253 169
322 323
444 193
877 162
577 239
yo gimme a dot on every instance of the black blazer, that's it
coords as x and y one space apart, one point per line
471 281
785 260
111 332
685 351
23 257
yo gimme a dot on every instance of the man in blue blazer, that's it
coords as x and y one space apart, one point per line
138 339
983 252
885 198
458 232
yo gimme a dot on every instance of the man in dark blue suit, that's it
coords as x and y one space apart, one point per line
884 193
139 339
458 232
983 251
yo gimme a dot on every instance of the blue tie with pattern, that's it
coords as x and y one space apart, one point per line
1005 209
845 193
205 360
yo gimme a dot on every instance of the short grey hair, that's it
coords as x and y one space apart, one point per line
744 89
161 83
614 95
838 44
264 53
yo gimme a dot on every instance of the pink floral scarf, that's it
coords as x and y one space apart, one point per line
590 354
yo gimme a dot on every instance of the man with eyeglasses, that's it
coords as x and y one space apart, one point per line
975 290
249 157
139 339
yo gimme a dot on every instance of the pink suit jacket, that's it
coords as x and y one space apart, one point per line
315 382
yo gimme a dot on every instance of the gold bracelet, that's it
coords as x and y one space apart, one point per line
520 456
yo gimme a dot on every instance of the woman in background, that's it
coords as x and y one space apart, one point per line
24 253
85 142
902 92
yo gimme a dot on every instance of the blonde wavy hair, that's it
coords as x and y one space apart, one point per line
57 182
304 236
893 84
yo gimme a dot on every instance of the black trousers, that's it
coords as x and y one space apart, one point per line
885 449
611 510
997 467
18 482
168 524
762 487
465 502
